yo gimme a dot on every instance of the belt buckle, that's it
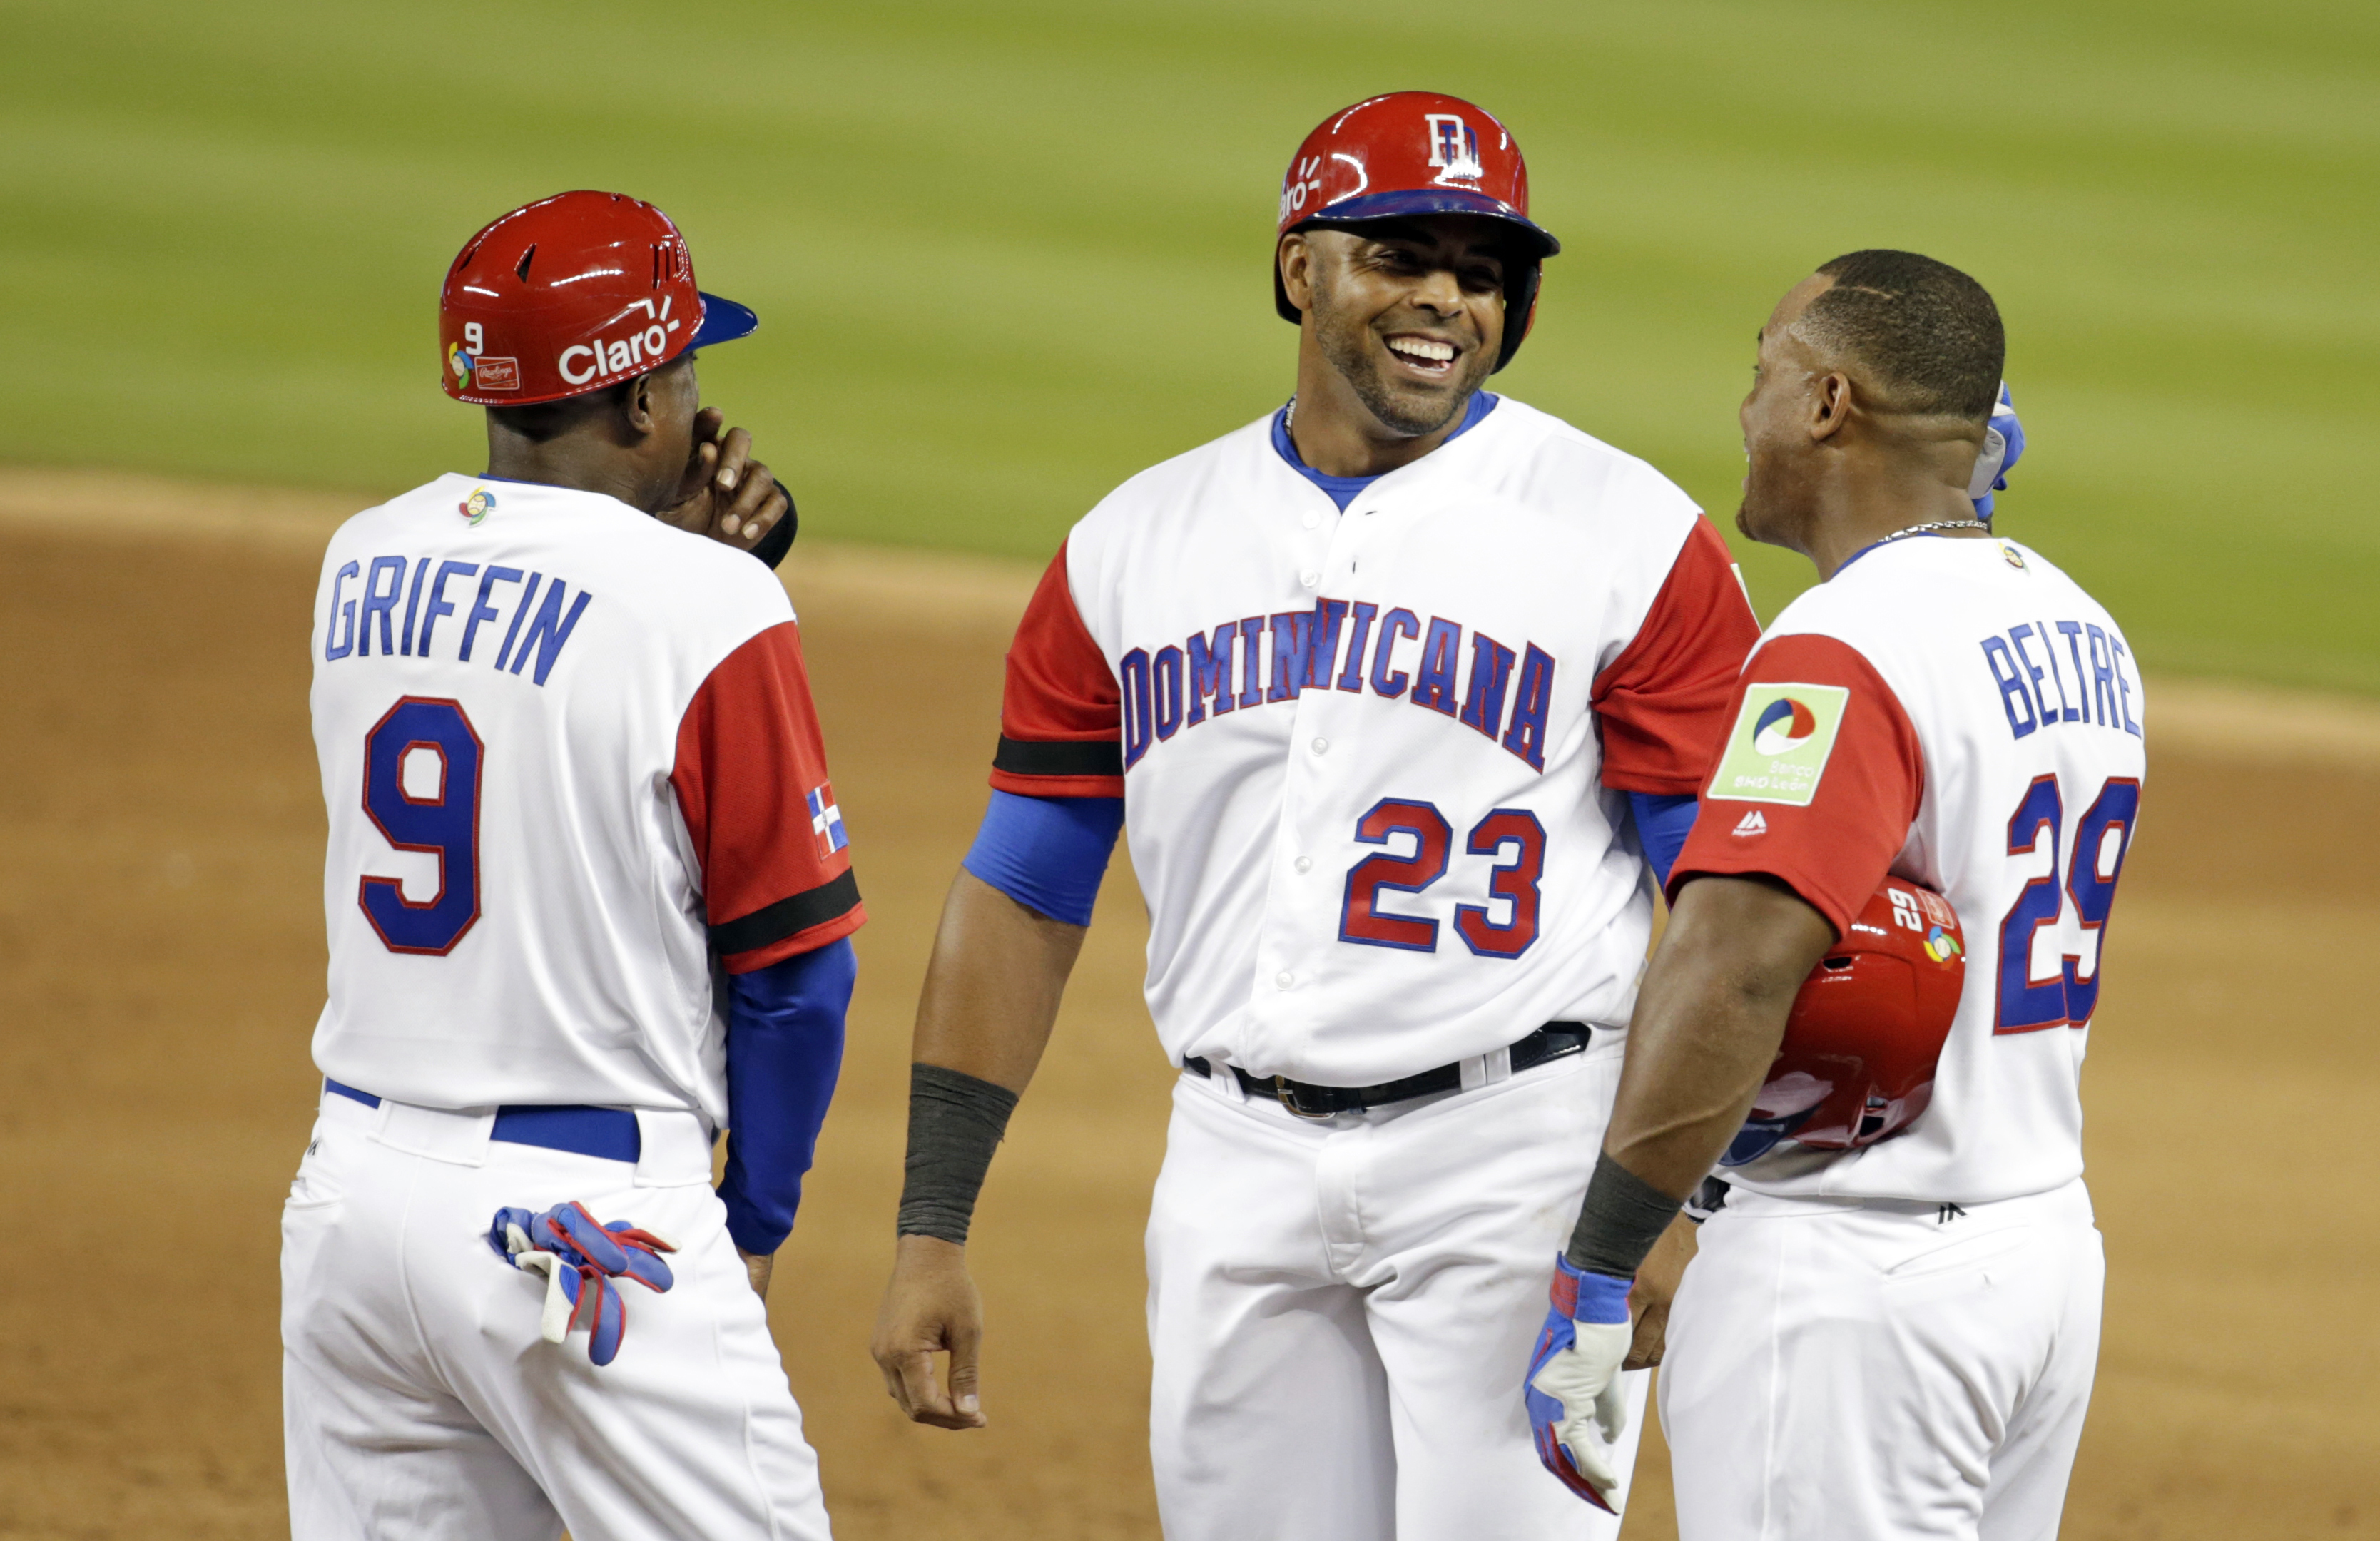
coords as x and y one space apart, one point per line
1286 1092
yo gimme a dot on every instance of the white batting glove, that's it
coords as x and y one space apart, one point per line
1577 1409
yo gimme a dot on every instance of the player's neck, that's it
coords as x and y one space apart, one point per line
1337 435
1872 498
571 462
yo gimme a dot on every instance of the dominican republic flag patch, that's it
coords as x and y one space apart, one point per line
826 821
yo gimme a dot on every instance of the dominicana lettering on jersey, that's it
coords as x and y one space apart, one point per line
1231 668
370 612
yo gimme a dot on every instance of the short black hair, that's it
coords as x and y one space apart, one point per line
1931 332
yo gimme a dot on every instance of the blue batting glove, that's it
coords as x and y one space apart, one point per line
1576 1411
579 1258
2003 447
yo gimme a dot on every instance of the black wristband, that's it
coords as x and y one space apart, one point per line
1622 1218
955 1121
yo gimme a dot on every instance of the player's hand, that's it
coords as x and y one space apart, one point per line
1656 1286
931 1307
1577 1410
726 494
758 1265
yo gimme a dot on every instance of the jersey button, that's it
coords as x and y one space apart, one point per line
1309 578
1321 745
1312 518
1304 864
1285 980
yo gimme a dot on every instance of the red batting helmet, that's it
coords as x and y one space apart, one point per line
1416 153
1857 1063
569 294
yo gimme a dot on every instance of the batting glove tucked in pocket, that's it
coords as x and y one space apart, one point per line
1576 1411
579 1258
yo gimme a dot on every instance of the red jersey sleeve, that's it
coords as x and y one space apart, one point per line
1663 700
752 785
1818 782
1062 714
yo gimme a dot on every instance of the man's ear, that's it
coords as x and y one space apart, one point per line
637 407
1830 405
1296 260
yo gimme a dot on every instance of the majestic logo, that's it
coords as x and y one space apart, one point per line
1941 946
476 506
1753 823
1780 743
826 820
1785 724
1453 148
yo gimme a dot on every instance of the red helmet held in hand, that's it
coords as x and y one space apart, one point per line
1407 155
1857 1063
569 294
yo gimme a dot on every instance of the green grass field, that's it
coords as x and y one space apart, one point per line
1007 255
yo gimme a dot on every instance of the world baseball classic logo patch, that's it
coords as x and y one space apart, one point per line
1781 741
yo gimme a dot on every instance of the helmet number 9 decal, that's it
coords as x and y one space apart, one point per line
2065 992
1511 836
421 791
471 335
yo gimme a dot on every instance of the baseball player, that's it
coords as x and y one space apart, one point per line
588 894
1897 1339
1397 690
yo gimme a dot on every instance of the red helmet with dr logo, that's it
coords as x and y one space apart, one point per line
1415 152
569 294
1866 1030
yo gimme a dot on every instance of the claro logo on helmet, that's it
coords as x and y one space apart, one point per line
584 361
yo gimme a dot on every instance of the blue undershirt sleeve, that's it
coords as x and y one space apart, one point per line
784 1049
1048 853
1662 824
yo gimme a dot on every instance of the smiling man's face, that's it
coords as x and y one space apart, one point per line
1411 313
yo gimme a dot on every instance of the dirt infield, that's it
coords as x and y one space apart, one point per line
161 968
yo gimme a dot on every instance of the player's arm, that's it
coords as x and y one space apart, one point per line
1010 932
1751 914
780 900
784 1057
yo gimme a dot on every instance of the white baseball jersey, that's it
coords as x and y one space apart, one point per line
1374 763
1961 712
570 759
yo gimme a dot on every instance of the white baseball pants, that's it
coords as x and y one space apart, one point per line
1859 1372
419 1401
1342 1311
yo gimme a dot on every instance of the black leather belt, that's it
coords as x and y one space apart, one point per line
1555 1041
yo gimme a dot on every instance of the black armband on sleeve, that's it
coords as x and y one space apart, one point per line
955 1121
1622 1218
